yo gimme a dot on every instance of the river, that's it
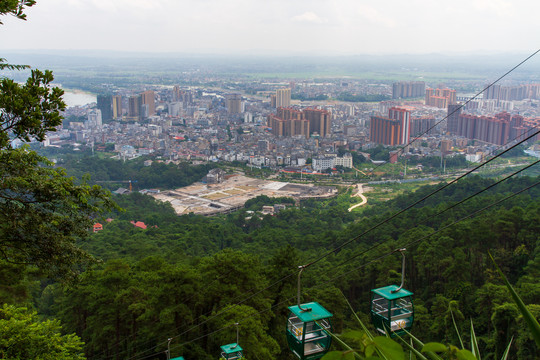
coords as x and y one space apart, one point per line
78 98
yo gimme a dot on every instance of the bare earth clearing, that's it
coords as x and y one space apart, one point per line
232 194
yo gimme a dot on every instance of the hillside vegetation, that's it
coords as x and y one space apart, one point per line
182 276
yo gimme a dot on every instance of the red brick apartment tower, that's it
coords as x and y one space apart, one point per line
404 118
440 98
288 122
148 98
320 121
498 129
277 125
296 124
392 130
287 113
384 130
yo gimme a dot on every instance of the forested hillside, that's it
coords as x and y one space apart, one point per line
111 173
189 277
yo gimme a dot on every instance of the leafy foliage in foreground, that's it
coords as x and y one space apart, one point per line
29 110
23 336
365 344
43 213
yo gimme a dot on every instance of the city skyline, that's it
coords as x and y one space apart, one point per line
232 26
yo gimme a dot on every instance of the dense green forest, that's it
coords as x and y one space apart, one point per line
111 173
182 276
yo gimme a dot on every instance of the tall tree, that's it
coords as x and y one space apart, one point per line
42 212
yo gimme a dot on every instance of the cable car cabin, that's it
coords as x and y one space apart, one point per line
392 311
308 331
231 351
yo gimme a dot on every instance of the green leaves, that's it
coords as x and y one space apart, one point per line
23 336
389 348
339 355
532 323
43 213
434 347
31 110
15 8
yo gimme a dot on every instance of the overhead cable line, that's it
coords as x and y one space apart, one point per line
332 280
230 307
374 246
215 315
473 214
378 225
412 141
400 149
418 201
374 227
127 338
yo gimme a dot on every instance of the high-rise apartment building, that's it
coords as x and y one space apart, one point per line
492 92
117 106
95 117
404 118
183 96
104 104
510 93
134 108
273 100
289 122
320 121
446 146
283 98
149 98
176 93
452 118
294 122
408 89
392 130
234 103
422 124
498 129
440 98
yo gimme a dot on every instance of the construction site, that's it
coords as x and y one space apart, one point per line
233 192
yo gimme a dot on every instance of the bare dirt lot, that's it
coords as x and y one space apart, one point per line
231 194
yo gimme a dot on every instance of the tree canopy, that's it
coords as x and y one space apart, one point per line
42 211
24 336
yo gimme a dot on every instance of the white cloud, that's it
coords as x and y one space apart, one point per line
127 5
309 17
236 25
500 8
374 16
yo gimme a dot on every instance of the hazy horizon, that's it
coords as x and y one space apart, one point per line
345 27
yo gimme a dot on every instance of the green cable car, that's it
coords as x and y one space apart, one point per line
232 351
392 309
308 329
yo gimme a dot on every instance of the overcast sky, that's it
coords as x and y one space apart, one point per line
280 26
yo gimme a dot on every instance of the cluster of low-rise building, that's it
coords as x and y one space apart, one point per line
202 124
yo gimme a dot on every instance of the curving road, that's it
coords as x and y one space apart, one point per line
361 195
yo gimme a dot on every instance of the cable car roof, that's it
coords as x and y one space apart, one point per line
386 292
317 312
231 348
